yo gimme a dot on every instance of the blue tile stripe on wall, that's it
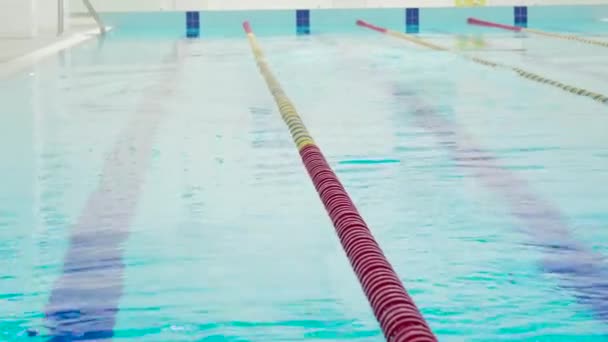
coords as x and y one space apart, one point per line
303 21
520 16
412 20
193 25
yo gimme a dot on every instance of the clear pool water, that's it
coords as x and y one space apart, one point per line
149 183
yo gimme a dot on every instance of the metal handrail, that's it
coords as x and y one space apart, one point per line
95 15
60 17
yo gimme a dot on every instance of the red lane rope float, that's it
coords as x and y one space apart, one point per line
399 318
371 26
479 22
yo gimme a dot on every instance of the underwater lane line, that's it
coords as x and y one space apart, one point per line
579 269
85 299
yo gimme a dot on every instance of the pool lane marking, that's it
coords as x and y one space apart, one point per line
399 318
582 271
85 299
484 23
519 71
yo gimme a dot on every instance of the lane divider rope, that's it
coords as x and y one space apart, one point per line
519 71
479 22
399 318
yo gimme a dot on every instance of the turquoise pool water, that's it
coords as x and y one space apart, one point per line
150 186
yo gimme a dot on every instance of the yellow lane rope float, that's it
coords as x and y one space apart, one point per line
300 135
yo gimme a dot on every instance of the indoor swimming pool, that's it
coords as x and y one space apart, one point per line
151 191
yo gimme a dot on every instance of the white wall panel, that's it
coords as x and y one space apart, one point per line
18 18
184 5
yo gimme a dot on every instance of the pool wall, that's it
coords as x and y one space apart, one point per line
588 19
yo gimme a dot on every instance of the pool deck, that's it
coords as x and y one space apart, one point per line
19 53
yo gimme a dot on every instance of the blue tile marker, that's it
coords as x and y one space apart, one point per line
412 20
303 21
193 25
521 16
